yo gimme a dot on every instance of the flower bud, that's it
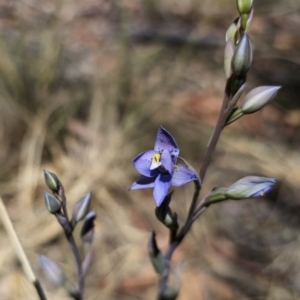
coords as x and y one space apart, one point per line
244 6
52 270
247 187
53 205
250 187
242 57
231 32
81 208
258 98
164 214
228 54
51 181
87 231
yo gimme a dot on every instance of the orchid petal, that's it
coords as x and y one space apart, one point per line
164 140
161 187
183 175
142 163
167 162
143 182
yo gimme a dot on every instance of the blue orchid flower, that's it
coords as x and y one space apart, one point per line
159 168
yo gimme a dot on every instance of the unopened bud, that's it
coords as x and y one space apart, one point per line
81 208
87 231
52 181
258 98
231 33
244 6
250 187
165 215
53 205
228 54
247 187
52 270
242 57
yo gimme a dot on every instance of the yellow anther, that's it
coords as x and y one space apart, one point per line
155 163
156 157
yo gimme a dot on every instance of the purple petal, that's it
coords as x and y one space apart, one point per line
161 187
143 182
164 140
142 163
183 175
167 162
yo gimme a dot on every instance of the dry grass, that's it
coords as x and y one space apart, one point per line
79 98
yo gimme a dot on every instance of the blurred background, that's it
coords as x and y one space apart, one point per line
84 86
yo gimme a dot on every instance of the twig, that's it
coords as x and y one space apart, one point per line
20 251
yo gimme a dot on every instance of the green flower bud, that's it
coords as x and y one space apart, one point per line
53 205
258 98
51 181
242 57
244 6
